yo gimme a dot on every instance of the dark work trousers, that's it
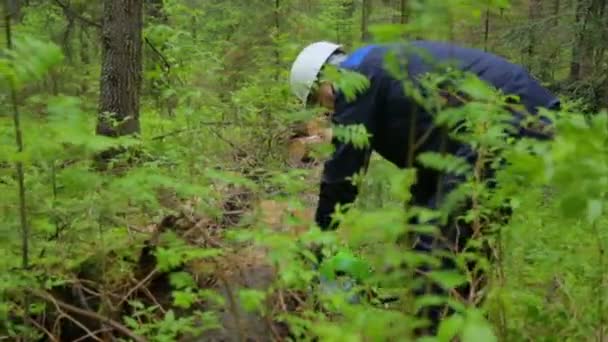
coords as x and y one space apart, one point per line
456 232
454 235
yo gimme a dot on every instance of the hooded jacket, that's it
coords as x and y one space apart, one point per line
386 112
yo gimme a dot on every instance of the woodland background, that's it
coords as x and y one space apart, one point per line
158 178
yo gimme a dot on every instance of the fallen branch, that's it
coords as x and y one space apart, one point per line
83 338
65 306
139 285
153 299
192 130
75 321
48 333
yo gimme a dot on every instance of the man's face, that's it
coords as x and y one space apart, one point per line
323 96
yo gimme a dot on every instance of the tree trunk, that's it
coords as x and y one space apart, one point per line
556 8
366 9
403 12
67 35
575 62
556 48
277 27
589 39
486 30
345 29
121 69
534 15
85 56
14 9
155 9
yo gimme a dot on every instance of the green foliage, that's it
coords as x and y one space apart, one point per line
19 69
216 114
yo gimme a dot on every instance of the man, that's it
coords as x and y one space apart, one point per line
385 110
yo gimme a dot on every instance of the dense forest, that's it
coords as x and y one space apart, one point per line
159 179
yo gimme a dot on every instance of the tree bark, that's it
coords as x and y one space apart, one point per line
366 9
589 17
13 7
121 70
277 27
556 48
67 34
534 14
486 30
403 12
155 9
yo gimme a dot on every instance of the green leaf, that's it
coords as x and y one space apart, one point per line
30 59
447 279
477 88
573 204
168 258
184 299
428 301
345 261
450 327
252 300
446 163
181 280
351 83
356 135
476 328
130 322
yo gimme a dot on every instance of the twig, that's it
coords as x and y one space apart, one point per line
297 298
270 324
83 300
162 57
153 299
62 305
82 338
48 333
80 325
140 284
184 130
282 301
69 10
233 145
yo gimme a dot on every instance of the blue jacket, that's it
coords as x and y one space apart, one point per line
385 111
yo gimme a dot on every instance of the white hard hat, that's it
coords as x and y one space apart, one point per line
307 65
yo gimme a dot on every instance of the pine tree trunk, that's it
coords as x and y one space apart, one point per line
155 9
589 14
576 52
14 8
121 70
556 48
366 9
486 30
277 27
403 11
534 15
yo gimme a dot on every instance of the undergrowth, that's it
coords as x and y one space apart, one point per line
203 228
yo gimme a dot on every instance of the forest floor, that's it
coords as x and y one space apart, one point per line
224 268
